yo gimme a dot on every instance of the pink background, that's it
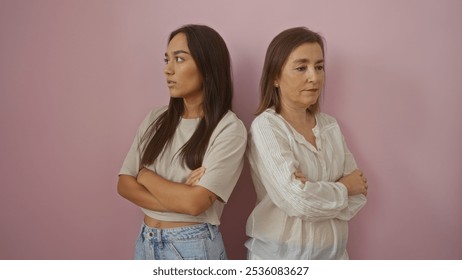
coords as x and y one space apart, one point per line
77 77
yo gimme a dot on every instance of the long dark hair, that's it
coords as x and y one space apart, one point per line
278 51
209 51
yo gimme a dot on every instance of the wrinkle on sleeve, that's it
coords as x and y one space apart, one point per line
355 202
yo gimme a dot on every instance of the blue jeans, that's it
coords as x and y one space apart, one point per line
196 242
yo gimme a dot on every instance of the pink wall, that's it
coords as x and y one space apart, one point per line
77 77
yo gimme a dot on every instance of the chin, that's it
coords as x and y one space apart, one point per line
175 95
310 103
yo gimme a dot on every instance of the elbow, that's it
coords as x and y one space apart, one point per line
194 209
195 213
198 201
121 190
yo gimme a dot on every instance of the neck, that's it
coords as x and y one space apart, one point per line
296 115
193 108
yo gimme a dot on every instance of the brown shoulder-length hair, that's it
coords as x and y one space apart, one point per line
209 51
276 55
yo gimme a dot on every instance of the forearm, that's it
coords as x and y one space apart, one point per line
355 204
128 188
309 201
178 197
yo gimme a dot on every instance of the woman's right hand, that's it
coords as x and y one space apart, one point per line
195 176
355 182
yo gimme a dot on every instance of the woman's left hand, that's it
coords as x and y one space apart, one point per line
300 176
195 176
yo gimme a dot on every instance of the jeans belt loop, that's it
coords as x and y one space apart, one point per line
212 232
159 238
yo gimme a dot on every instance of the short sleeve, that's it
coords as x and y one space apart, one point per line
224 158
131 164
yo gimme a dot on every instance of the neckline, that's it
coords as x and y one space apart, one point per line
193 120
300 138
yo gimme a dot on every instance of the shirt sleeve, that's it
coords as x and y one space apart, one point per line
274 163
224 160
355 202
131 164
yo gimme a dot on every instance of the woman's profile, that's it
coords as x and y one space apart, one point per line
187 157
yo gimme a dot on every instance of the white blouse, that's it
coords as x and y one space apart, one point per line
295 220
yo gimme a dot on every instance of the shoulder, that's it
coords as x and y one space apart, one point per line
156 112
325 120
269 119
231 124
328 125
150 117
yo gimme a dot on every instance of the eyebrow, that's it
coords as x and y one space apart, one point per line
305 60
178 52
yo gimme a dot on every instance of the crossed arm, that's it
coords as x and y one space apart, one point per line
151 191
275 166
355 182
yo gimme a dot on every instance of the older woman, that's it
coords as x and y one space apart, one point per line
307 182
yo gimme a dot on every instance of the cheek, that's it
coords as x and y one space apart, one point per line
286 82
198 80
321 79
292 85
193 77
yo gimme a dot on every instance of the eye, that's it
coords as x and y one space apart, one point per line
179 59
320 67
301 69
166 60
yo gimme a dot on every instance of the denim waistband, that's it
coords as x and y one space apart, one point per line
205 230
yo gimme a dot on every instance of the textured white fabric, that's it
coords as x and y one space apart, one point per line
223 161
293 220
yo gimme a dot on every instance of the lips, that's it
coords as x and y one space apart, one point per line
170 83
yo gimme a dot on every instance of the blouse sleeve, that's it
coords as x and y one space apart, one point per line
355 202
274 163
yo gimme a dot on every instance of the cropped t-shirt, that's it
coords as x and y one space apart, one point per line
223 161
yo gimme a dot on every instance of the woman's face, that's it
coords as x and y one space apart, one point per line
183 77
302 77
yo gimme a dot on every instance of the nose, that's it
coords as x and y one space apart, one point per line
168 70
312 75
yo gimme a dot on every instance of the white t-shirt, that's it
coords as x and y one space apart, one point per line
223 161
295 220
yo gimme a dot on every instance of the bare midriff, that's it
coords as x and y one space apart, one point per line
151 222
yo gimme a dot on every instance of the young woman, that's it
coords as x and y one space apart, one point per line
306 179
186 158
